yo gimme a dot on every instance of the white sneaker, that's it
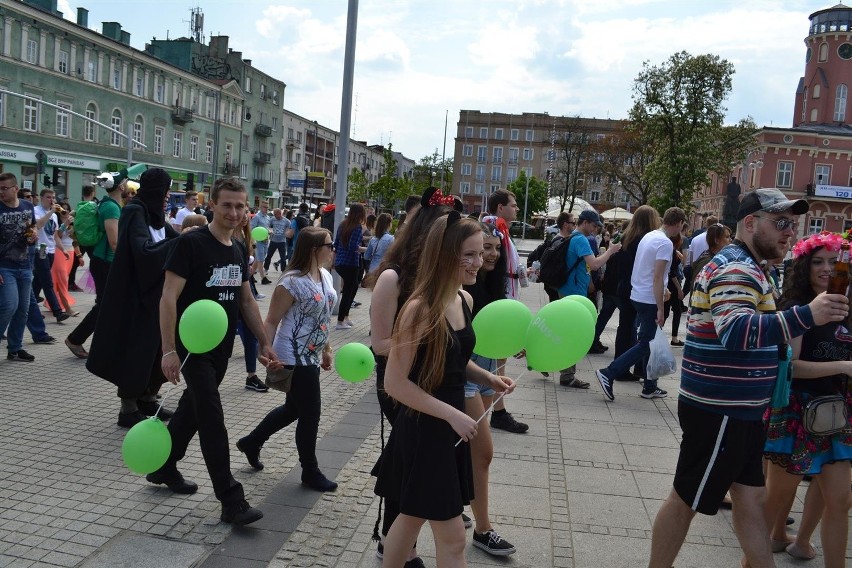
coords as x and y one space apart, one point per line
342 326
260 296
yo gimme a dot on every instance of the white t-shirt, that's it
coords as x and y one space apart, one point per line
304 328
696 247
157 235
45 234
653 247
181 215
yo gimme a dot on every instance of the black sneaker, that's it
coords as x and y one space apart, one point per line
467 521
597 348
505 421
606 385
255 384
61 317
266 280
356 304
20 355
656 393
317 481
240 513
492 543
46 340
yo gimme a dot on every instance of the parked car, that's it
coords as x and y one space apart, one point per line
532 232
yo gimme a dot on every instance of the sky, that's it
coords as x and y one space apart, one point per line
418 61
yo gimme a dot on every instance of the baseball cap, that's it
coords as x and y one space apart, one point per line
770 200
590 216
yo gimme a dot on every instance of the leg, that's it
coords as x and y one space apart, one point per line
780 494
349 275
481 453
607 309
308 401
100 271
35 321
834 531
750 524
14 305
402 537
449 542
43 281
625 335
811 514
670 528
249 346
646 315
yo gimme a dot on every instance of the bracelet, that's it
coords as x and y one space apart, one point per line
169 353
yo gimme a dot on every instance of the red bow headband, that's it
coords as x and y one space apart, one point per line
439 198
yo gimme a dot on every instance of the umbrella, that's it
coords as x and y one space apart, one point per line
616 214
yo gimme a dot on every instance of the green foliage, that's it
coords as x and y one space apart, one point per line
422 176
679 105
537 197
357 188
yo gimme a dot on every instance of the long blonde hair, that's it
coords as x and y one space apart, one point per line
436 285
645 219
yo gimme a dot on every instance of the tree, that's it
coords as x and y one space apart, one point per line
388 189
626 155
571 146
422 174
733 145
357 187
537 199
679 104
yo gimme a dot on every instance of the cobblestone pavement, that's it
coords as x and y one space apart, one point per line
580 489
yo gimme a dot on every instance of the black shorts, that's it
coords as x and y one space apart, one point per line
715 452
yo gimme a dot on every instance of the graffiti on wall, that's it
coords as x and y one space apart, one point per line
211 67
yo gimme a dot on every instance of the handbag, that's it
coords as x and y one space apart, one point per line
280 379
825 415
781 392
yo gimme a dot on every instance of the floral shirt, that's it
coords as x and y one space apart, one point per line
303 331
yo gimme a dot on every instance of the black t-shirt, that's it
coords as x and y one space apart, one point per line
829 342
213 271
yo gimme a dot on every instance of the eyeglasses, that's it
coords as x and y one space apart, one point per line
329 245
782 224
5 187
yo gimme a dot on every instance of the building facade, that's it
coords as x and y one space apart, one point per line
99 77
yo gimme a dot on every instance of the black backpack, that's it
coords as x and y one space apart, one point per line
554 266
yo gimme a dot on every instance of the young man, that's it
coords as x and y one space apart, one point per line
648 282
207 264
582 259
261 219
189 204
278 226
48 243
729 370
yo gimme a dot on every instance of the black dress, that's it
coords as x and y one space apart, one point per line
421 467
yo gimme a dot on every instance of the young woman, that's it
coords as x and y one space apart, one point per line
299 317
821 366
379 244
250 344
347 260
490 286
718 237
429 362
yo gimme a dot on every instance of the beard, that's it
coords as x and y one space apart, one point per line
767 245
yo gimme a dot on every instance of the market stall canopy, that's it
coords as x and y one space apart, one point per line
554 208
617 214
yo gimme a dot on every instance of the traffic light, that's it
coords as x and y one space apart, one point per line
46 182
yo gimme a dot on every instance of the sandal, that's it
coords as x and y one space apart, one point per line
78 350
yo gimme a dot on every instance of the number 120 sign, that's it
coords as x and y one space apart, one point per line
836 191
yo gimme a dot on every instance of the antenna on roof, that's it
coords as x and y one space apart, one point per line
196 24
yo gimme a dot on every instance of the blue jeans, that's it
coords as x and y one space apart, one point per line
35 321
249 345
43 282
610 302
15 294
646 321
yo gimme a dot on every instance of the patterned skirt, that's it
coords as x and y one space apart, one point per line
791 447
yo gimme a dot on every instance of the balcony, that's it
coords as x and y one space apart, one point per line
262 157
259 184
481 159
231 169
294 143
292 165
181 115
497 160
263 130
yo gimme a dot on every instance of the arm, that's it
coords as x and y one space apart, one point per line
816 369
355 240
595 262
111 229
659 277
251 317
279 305
383 310
371 249
40 223
172 288
58 241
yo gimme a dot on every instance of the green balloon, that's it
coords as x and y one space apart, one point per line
354 362
202 326
260 234
146 446
500 329
587 303
560 334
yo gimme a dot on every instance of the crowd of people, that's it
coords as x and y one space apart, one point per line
429 277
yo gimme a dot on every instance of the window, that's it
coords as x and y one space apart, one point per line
528 171
529 135
229 151
804 104
814 115
513 155
497 155
823 52
465 187
2 109
245 141
32 51
193 147
515 134
528 154
140 85
275 123
160 90
468 131
115 138
496 172
480 173
62 119
91 127
262 91
495 187
816 91
467 150
176 144
840 104
466 169
498 133
822 175
480 153
62 67
138 130
815 225
511 174
243 170
93 70
596 178
479 188
274 97
30 115
159 133
248 84
116 79
785 174
483 133
594 195
208 155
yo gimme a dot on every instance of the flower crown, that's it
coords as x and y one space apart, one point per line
830 241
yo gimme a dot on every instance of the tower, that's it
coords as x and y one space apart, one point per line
821 97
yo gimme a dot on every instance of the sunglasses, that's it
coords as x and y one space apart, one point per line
782 224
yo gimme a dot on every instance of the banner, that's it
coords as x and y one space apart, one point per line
836 191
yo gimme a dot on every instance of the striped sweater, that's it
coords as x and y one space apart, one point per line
730 359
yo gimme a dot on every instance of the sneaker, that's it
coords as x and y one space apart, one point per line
492 543
356 304
240 513
130 419
606 385
255 384
46 340
277 264
467 521
505 421
415 562
676 343
61 317
260 296
341 326
597 348
629 377
656 393
573 382
20 355
266 280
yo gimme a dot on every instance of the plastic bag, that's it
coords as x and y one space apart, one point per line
662 361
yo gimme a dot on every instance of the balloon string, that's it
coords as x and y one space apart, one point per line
168 392
491 407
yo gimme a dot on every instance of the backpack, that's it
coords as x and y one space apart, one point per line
87 226
554 263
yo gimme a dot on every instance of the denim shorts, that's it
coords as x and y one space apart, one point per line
471 388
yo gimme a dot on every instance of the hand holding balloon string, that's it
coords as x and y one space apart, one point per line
496 400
